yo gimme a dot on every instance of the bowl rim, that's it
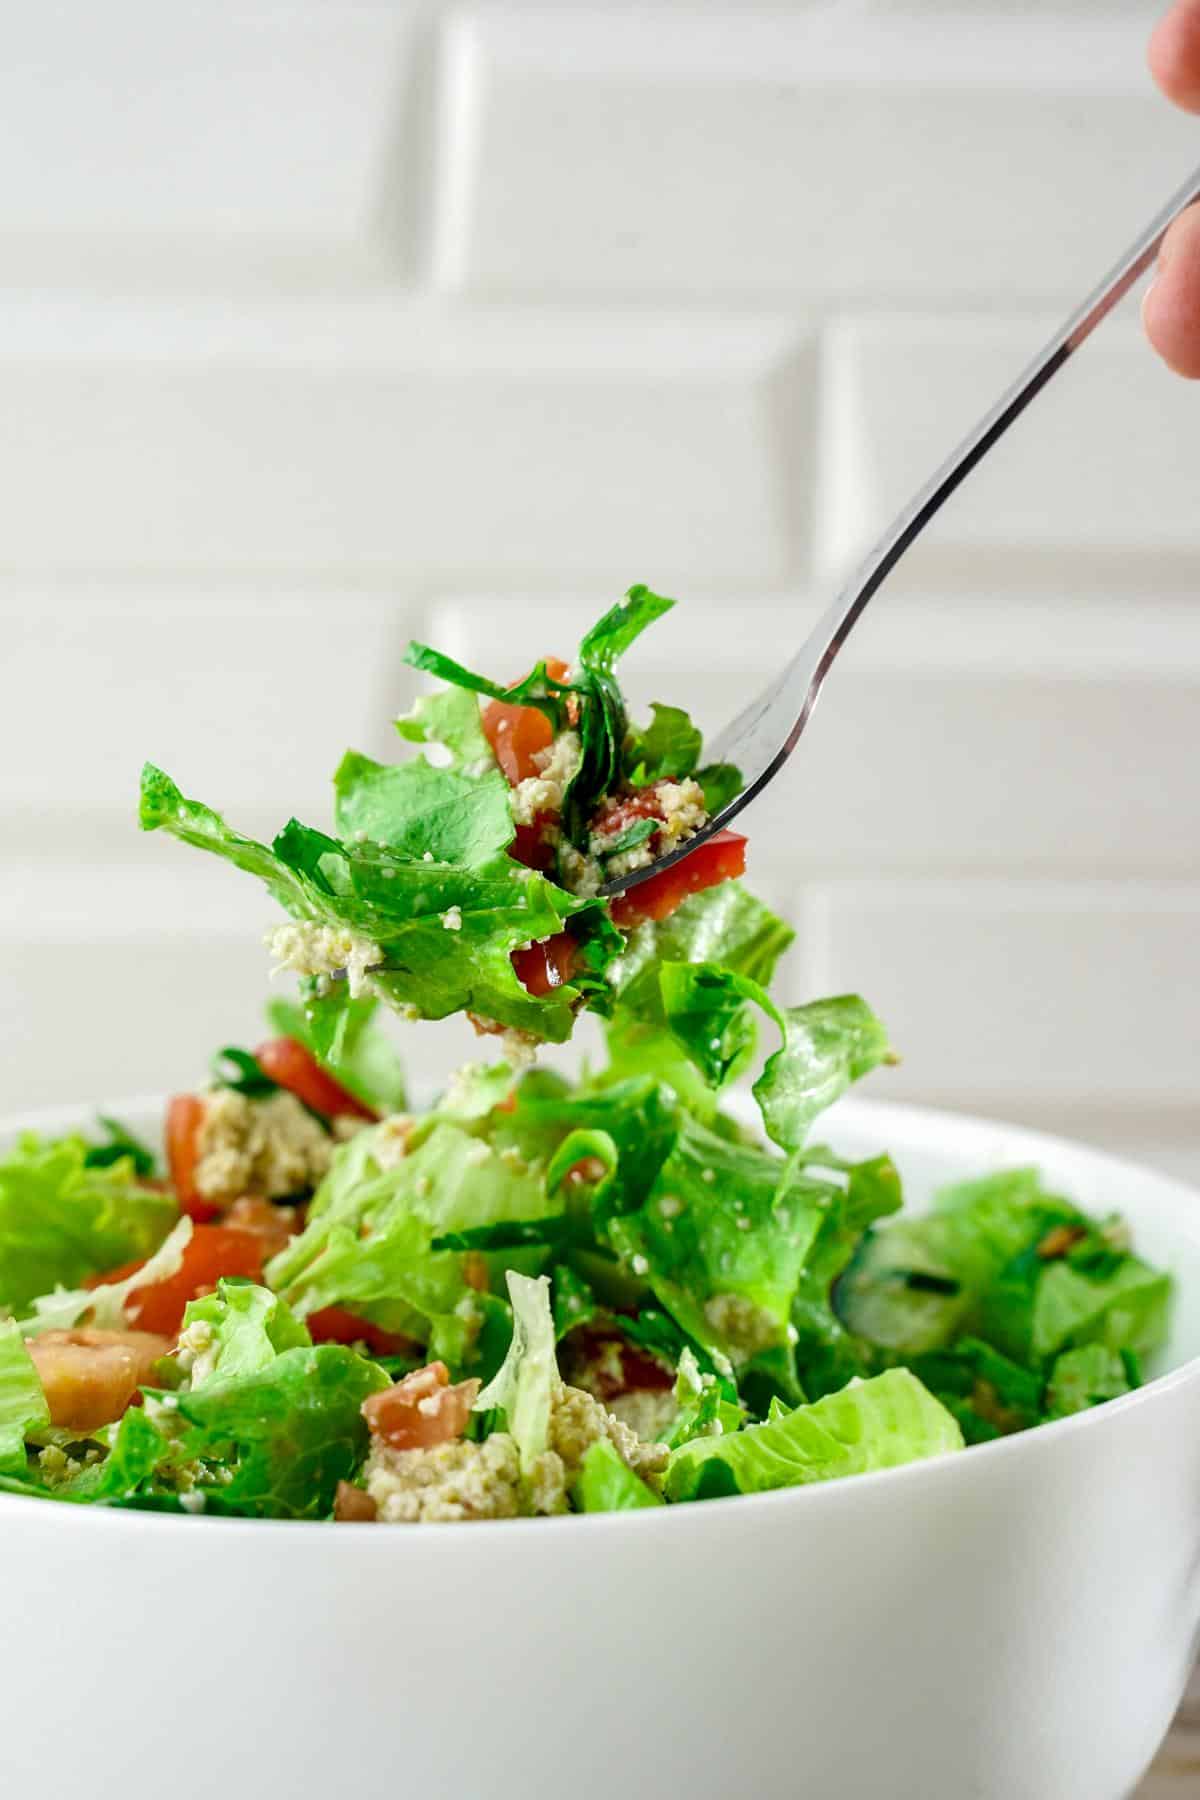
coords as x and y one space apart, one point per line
904 1125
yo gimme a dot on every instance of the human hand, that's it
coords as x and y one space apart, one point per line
1171 309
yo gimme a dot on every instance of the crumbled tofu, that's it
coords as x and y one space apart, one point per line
745 1327
389 1146
648 1412
458 1480
270 1146
56 1466
452 919
543 793
689 1371
683 809
519 1048
322 950
581 874
578 1420
196 1351
547 1484
640 857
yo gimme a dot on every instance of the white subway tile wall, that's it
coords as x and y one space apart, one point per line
326 325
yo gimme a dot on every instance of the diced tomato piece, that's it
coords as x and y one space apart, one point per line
334 1325
352 1506
90 1377
722 858
530 846
421 1410
275 1225
612 1366
286 1061
185 1116
211 1251
543 967
518 733
618 813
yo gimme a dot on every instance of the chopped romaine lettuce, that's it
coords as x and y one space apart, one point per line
279 1438
668 749
450 717
445 932
63 1218
356 1049
1087 1377
416 809
238 1331
524 1387
606 1484
876 1424
104 1306
827 1045
22 1403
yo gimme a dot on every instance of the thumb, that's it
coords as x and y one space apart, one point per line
1171 309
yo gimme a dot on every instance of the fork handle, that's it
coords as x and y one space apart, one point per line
932 497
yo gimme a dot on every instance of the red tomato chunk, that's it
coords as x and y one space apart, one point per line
286 1061
211 1251
421 1410
722 858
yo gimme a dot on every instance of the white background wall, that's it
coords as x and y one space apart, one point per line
325 324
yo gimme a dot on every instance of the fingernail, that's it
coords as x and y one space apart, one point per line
1146 299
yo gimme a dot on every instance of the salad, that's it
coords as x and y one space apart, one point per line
534 1296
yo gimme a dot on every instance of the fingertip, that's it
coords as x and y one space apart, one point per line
1171 308
1174 54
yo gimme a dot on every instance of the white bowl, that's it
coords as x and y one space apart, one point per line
1015 1623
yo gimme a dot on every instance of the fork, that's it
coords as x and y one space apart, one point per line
763 736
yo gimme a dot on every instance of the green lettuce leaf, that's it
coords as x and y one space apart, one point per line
988 1394
599 708
1037 1308
23 1406
877 1424
606 1484
827 1044
278 1438
725 923
1087 1377
667 750
416 809
63 1218
827 1356
120 1145
722 1238
387 1242
446 933
137 1451
1004 1260
241 1329
356 1051
916 1285
450 717
719 783
528 1379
